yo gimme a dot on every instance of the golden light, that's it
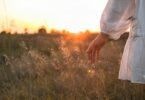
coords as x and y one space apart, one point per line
91 72
72 15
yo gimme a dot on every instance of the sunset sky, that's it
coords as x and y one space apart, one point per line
72 15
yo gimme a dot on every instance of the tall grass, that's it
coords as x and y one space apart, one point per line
40 68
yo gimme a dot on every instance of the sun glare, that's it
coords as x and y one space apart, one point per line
72 15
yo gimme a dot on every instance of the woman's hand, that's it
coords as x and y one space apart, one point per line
95 46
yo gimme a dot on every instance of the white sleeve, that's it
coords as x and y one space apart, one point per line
115 18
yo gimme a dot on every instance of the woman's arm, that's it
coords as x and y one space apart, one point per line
114 22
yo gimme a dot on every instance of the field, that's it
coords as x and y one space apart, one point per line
55 67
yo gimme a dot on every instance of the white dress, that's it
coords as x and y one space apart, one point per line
118 16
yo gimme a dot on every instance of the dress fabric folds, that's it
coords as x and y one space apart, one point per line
118 16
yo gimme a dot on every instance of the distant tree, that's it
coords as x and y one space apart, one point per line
55 31
87 32
26 31
3 33
52 31
42 30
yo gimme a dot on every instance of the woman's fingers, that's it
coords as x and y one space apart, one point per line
89 56
97 54
91 51
93 56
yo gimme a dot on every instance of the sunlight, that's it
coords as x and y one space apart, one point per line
72 15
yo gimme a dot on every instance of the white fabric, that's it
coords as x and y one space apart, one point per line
117 17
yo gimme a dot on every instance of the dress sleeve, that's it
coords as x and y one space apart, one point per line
116 17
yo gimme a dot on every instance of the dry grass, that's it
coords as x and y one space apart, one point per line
57 69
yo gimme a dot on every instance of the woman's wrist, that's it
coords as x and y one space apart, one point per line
105 37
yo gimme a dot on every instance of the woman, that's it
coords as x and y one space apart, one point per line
118 16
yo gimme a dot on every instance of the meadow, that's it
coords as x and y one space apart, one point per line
55 67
